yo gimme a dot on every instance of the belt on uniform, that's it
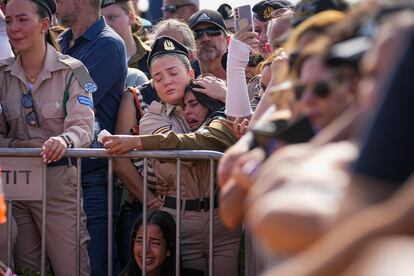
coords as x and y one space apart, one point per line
191 204
62 162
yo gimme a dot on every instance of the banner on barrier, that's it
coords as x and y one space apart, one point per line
22 178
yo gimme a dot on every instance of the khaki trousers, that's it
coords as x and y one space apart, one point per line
60 226
3 240
195 242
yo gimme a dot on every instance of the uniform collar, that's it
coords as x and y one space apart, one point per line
51 64
169 108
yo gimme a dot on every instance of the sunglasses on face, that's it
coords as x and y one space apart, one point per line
173 8
321 89
209 31
27 102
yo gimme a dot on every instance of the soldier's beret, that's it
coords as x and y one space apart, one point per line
264 9
166 45
49 5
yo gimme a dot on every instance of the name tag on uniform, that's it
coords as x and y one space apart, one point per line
22 178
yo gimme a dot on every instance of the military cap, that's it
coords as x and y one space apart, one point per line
166 45
49 5
226 11
207 16
308 8
106 3
264 9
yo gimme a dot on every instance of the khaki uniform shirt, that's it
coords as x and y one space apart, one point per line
215 136
195 175
47 93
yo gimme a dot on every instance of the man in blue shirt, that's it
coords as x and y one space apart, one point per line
102 51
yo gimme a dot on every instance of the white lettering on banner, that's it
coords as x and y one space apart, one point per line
22 177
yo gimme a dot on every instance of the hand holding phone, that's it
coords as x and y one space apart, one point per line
243 18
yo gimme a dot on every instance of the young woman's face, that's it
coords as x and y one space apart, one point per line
24 28
156 248
170 77
118 19
194 112
322 109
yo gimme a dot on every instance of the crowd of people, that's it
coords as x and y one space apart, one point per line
310 105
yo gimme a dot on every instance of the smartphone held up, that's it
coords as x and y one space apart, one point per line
243 17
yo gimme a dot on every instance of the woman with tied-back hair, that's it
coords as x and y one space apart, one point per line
46 103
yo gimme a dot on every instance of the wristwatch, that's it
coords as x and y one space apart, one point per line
68 141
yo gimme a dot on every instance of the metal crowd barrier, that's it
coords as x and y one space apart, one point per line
101 153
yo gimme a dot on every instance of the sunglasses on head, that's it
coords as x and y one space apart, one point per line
173 8
321 89
211 31
27 102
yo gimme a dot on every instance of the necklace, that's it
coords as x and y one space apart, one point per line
31 78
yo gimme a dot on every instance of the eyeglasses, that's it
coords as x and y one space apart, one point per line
320 89
209 31
173 8
27 102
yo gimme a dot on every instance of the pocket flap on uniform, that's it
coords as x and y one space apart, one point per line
52 109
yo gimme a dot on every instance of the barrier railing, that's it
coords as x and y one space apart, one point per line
212 156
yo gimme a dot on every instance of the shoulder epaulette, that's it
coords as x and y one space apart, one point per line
81 73
6 62
155 108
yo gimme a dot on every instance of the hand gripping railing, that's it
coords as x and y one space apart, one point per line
101 153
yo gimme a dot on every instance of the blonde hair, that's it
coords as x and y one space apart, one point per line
319 22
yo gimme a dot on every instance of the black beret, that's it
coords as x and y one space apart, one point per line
226 11
308 8
49 5
207 16
166 45
264 9
106 3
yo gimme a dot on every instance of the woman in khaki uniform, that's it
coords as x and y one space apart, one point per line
45 103
170 68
